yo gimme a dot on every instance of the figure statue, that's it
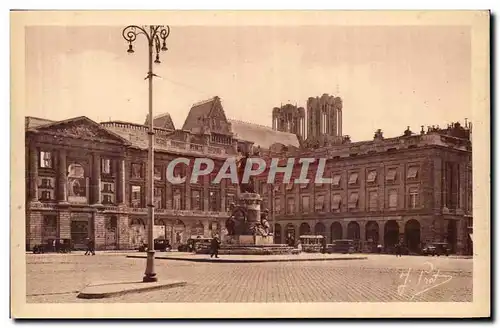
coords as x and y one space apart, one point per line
249 186
264 222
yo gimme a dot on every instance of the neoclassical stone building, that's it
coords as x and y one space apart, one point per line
87 179
416 187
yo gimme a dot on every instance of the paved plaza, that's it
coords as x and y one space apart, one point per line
57 278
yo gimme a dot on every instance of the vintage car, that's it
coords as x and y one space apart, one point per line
195 244
160 244
344 246
311 243
54 246
436 249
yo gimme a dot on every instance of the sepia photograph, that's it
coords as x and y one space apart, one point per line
250 164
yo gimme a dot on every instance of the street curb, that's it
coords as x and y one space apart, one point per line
223 260
107 290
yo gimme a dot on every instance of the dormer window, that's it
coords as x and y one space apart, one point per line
391 175
336 180
412 172
353 178
372 176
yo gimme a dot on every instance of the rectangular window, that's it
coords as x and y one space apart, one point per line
107 187
305 204
412 172
290 206
158 173
136 197
107 199
393 198
371 177
336 202
277 205
196 200
46 183
46 195
213 201
105 166
177 200
319 204
413 201
373 201
336 180
158 199
353 200
353 178
46 159
136 170
391 175
229 201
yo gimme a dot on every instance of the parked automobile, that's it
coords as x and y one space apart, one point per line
195 244
345 246
54 246
311 243
436 249
160 244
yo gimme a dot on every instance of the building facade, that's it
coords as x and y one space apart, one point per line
87 179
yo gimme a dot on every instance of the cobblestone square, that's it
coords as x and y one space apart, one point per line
56 278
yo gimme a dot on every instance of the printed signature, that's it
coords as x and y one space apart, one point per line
428 279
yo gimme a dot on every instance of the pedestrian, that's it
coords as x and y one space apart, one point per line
379 248
92 247
323 245
398 249
87 242
214 247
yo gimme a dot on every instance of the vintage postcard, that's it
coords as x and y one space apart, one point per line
273 164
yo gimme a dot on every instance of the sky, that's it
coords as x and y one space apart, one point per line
389 77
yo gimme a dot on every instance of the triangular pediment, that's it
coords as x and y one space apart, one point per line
81 128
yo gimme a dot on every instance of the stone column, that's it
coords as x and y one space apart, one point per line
62 178
96 179
99 230
120 182
64 224
33 173
362 234
123 232
35 228
206 228
381 232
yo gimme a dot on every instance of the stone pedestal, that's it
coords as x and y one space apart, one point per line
249 236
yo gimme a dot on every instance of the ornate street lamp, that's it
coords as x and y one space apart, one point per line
156 36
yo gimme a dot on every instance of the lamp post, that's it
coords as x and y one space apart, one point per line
156 36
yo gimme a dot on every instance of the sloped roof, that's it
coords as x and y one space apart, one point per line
197 111
31 122
261 135
162 121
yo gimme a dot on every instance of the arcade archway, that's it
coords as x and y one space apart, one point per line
391 233
336 231
304 229
320 229
412 235
372 235
353 230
